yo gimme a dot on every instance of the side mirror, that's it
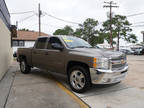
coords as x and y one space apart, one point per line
57 46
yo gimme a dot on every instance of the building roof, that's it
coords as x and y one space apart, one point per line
28 35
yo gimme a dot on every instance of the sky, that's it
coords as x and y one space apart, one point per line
72 10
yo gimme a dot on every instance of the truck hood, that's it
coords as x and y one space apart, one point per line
96 52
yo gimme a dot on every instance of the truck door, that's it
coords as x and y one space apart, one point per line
54 57
38 52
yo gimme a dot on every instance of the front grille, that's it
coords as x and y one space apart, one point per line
118 62
118 66
114 58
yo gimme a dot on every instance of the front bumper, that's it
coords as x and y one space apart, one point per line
100 76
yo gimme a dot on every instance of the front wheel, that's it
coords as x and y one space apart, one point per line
79 79
24 68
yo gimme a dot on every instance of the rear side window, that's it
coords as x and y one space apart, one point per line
41 43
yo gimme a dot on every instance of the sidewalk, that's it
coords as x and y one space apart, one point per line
5 86
34 90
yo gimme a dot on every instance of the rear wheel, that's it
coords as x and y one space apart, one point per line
79 79
24 68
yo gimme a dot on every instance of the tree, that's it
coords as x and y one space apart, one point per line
88 32
78 32
120 29
24 29
67 30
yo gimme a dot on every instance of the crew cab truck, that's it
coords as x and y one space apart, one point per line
76 58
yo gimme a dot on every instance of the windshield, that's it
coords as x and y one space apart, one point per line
74 42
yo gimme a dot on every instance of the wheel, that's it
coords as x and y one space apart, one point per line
79 79
24 68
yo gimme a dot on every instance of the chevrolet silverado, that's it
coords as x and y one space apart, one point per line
83 64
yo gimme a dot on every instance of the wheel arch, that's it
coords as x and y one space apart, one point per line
76 63
21 57
70 64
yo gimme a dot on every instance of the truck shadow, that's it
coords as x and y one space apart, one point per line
94 90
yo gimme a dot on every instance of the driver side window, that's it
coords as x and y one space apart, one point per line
53 40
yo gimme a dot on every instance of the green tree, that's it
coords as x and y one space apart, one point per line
88 32
120 29
67 30
24 29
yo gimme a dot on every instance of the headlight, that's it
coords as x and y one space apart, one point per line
101 63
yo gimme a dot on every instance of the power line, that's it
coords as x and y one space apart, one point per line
135 14
53 25
61 19
25 18
22 12
138 26
32 25
139 22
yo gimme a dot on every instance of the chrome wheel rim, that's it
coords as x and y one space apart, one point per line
22 66
77 79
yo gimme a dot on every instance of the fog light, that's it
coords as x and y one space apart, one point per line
106 80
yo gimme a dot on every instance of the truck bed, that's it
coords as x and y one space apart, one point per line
26 52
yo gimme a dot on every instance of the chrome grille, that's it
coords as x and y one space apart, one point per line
118 62
118 66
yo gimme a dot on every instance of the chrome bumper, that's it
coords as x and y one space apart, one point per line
100 76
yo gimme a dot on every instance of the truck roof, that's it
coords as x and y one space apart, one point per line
54 36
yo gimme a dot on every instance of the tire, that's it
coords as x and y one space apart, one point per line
24 68
79 79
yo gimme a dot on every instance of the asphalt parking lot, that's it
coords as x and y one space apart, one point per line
50 90
127 94
35 90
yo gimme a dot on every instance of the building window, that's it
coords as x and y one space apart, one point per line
15 43
21 43
18 43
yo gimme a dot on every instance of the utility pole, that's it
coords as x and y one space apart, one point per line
143 35
118 39
39 19
17 24
110 5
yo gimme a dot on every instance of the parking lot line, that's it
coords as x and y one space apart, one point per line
78 100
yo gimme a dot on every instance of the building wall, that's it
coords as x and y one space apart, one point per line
4 13
5 49
27 44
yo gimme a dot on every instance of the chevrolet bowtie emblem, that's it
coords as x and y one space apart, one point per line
122 61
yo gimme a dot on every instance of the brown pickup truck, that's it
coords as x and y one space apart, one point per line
74 57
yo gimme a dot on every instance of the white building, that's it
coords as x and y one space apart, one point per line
25 39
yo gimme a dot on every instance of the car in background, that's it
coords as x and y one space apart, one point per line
139 51
97 47
142 51
126 51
